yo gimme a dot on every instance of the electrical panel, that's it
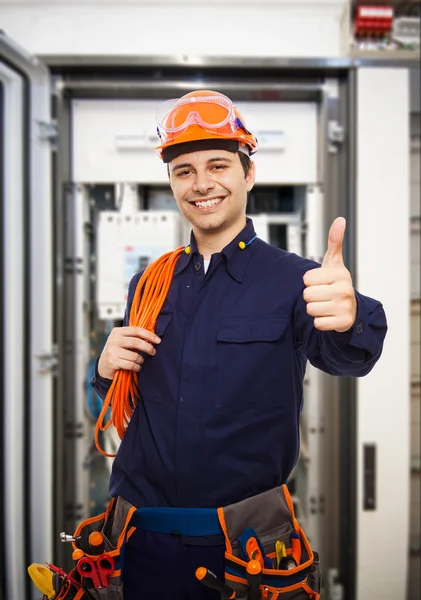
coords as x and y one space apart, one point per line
281 230
114 140
126 244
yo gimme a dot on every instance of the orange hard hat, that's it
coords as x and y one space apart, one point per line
198 116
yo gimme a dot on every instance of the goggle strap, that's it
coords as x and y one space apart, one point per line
240 125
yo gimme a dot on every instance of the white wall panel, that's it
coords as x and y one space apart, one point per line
415 217
115 140
383 266
195 28
294 159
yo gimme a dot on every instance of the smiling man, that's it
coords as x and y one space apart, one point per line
221 379
209 187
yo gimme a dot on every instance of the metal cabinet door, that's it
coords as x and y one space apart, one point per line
26 265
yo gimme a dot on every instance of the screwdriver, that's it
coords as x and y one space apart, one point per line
211 581
296 547
254 579
65 538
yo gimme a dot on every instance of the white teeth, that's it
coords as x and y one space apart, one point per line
208 203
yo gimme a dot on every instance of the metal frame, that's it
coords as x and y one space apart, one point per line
61 173
74 488
28 314
316 489
2 355
347 388
15 458
310 64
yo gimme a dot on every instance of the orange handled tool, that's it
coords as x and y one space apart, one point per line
96 543
211 581
254 579
253 551
296 547
77 554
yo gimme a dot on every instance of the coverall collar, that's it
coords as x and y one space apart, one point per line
236 259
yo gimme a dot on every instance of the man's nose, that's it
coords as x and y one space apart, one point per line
203 183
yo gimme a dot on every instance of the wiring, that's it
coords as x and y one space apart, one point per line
149 296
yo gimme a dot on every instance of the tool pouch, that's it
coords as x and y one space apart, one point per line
271 515
115 528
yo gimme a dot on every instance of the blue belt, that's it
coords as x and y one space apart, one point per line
182 521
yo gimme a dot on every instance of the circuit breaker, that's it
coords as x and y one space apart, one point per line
126 244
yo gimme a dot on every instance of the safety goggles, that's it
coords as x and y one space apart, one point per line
215 114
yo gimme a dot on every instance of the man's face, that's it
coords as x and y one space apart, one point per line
210 188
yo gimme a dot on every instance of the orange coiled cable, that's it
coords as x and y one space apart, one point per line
150 294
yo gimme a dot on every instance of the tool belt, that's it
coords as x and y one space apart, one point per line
267 519
114 525
257 530
98 545
271 517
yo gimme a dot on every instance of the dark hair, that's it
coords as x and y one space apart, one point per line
244 160
245 163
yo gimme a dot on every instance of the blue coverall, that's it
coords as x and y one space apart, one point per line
218 419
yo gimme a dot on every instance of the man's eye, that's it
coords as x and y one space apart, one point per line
218 167
181 173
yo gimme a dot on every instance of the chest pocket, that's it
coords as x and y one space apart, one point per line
250 353
154 366
162 322
164 318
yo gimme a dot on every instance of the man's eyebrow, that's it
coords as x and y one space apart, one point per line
219 158
182 166
187 165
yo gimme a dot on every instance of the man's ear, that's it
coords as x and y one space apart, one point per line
251 176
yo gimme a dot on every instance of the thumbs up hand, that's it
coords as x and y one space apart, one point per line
329 292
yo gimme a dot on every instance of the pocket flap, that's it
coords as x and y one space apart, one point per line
254 329
162 322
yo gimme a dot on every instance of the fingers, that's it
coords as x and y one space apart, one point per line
129 365
333 306
340 324
133 343
123 350
129 360
321 309
319 276
115 359
322 276
318 293
139 332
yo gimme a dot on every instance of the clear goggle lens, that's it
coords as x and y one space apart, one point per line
212 113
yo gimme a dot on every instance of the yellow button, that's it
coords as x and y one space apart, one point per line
241 245
187 249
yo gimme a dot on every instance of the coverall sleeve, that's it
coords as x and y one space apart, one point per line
101 384
352 353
